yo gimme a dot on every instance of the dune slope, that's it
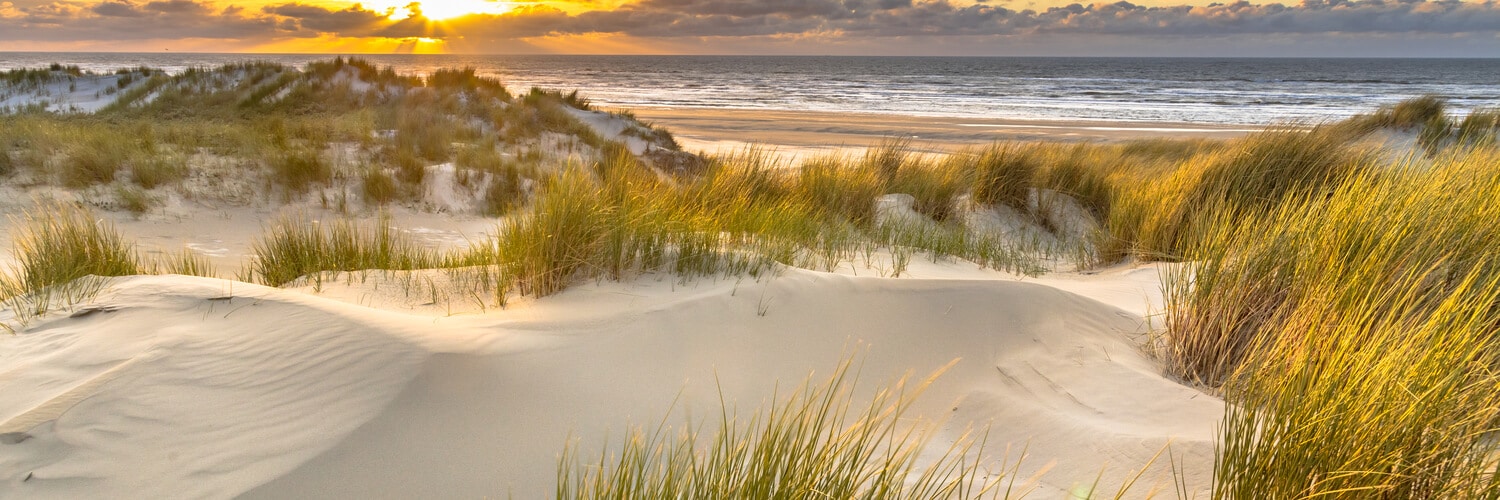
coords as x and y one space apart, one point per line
171 389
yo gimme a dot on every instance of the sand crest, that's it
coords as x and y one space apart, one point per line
188 387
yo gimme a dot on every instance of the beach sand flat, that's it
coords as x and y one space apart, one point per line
798 134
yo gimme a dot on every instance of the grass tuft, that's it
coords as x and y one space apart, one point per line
296 246
152 171
1003 175
186 263
1479 127
299 169
817 442
58 243
379 187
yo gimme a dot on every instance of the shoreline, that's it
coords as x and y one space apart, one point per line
799 134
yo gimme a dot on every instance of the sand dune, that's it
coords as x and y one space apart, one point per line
189 387
177 387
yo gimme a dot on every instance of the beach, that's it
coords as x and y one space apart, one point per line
801 134
267 281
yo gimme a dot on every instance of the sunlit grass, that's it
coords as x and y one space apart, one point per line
1353 333
58 243
818 441
295 246
60 251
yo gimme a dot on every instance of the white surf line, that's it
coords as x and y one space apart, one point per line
1111 129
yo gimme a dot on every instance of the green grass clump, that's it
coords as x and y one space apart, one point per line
95 161
186 263
299 169
839 187
295 247
818 442
58 243
411 169
741 216
544 249
504 193
1479 127
134 199
1394 401
155 170
1158 218
933 185
379 187
425 132
1084 173
503 182
572 99
1003 175
1414 112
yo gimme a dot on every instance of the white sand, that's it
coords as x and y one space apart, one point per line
192 387
612 127
67 93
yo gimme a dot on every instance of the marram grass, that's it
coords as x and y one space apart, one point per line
819 441
1353 333
295 246
62 252
58 242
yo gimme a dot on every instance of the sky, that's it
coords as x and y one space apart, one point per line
1342 28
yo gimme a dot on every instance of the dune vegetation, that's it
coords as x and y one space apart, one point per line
1344 303
343 131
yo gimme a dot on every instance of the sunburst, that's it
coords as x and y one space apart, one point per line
442 10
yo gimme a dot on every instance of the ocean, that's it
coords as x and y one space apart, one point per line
1176 90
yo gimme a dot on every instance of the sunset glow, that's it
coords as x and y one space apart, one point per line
442 10
1307 28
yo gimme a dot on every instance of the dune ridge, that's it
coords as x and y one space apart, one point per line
270 393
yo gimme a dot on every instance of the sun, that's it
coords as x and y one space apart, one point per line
439 10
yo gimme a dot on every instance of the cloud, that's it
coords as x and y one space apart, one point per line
727 19
891 18
319 19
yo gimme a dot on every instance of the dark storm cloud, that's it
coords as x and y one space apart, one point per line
865 19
